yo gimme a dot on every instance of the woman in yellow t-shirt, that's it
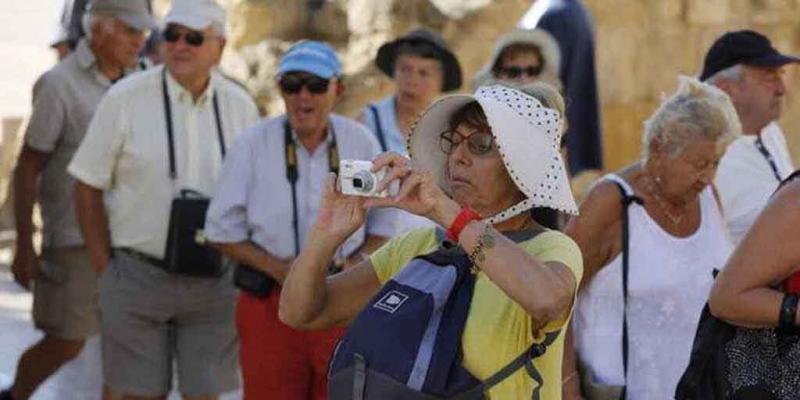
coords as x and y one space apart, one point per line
493 154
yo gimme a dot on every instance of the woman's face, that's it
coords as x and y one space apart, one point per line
419 80
684 176
479 181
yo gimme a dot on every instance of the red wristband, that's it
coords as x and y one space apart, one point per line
464 217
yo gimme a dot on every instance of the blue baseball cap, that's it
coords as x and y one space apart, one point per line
311 56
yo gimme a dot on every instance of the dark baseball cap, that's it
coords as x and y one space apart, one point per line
742 47
135 13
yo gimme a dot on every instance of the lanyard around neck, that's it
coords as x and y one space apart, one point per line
767 156
170 135
290 154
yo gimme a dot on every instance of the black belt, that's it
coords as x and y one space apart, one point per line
145 258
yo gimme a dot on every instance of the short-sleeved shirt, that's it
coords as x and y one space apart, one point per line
254 200
126 151
395 141
745 180
64 100
497 328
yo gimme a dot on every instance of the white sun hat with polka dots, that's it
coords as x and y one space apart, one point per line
527 135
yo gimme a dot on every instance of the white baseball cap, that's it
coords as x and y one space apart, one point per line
196 14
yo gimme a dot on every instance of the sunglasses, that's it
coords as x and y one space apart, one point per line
192 38
478 143
293 84
515 72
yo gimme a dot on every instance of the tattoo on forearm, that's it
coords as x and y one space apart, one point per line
486 240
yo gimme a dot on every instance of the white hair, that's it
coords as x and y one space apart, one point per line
697 111
91 19
730 74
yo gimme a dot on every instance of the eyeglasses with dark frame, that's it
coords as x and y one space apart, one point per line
192 38
478 142
293 84
514 71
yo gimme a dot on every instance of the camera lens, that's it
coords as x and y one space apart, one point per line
363 181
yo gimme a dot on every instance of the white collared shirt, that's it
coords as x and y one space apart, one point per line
254 201
745 181
126 151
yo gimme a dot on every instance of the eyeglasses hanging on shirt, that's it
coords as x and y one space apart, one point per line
186 250
767 156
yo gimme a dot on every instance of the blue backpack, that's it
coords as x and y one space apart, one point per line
406 343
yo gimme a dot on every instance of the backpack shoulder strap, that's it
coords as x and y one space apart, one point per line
378 126
523 360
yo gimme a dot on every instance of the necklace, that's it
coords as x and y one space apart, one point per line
663 204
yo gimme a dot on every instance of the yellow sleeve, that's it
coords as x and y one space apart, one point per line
390 258
554 246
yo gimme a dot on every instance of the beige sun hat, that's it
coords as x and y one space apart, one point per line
548 48
527 135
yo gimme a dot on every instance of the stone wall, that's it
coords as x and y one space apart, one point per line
642 46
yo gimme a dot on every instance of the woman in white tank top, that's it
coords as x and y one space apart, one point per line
677 237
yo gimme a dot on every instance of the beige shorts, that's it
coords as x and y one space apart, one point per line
153 321
65 294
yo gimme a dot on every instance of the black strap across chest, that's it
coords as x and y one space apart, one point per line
767 156
170 133
627 200
292 174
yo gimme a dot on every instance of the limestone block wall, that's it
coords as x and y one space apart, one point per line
642 45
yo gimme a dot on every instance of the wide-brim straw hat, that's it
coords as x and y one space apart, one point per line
527 136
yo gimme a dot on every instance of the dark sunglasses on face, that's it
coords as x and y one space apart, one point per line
515 72
192 38
293 84
478 143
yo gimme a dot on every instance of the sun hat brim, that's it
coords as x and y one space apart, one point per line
527 136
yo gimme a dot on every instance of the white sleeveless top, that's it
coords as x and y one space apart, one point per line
668 285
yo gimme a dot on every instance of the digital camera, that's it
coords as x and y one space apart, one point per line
357 179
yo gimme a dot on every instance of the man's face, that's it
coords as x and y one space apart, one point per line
521 67
120 45
189 53
309 100
758 95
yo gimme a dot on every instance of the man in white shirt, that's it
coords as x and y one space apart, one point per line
746 66
269 197
155 135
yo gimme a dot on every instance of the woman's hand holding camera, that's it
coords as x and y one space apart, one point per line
419 192
339 215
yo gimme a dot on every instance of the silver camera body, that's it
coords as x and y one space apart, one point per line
357 179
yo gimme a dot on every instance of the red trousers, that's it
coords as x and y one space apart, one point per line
278 362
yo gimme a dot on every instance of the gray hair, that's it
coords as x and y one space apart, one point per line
731 74
697 111
91 19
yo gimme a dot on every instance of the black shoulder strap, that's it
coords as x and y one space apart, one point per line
626 199
378 126
767 156
788 179
523 360
171 136
292 174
